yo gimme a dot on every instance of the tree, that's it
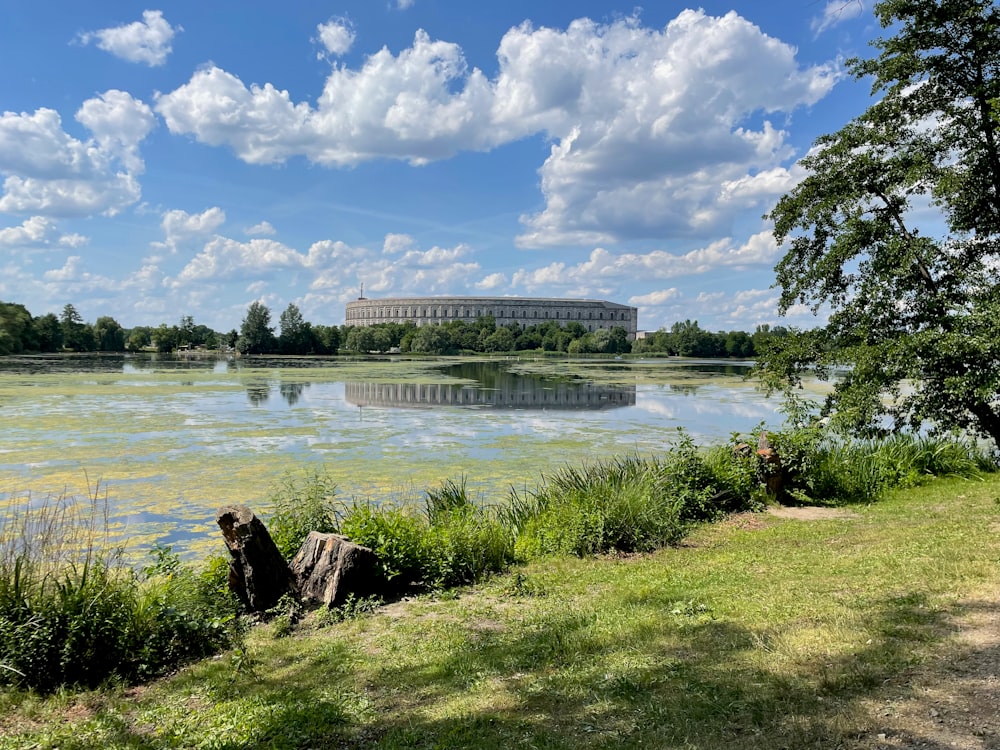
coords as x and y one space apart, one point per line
360 339
77 335
17 330
296 334
138 338
185 331
382 339
109 336
501 340
48 332
914 312
618 342
430 340
327 339
256 332
165 338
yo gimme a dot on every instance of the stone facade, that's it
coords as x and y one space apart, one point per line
524 311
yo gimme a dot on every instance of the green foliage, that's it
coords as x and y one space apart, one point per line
914 327
76 335
284 616
17 330
109 335
300 504
688 339
453 543
352 608
431 340
48 332
398 539
822 467
296 334
256 331
448 497
465 545
360 339
72 612
736 475
625 504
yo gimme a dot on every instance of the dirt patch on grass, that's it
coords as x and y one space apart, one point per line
952 702
749 521
808 513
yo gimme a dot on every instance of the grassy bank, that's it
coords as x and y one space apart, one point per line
756 632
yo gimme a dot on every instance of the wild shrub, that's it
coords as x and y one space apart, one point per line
625 503
396 536
735 475
73 612
466 544
831 468
300 504
453 543
352 608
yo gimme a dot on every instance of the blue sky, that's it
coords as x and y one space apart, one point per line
191 158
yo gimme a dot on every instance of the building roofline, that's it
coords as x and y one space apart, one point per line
521 300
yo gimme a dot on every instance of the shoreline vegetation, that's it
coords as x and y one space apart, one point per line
22 333
74 616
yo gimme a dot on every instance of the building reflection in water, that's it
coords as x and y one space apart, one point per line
514 393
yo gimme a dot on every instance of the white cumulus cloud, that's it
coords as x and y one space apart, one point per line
47 171
655 132
147 41
760 249
263 227
492 282
223 259
329 267
180 226
396 243
659 297
337 36
32 231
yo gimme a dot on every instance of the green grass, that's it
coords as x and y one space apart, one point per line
73 612
757 632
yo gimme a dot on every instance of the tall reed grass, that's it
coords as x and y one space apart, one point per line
626 503
74 612
829 469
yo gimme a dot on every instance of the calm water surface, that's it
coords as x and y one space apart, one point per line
167 441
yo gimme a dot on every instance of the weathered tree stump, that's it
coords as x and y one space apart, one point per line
328 568
773 475
258 574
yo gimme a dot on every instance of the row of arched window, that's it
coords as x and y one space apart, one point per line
382 313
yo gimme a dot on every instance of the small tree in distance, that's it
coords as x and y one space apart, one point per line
256 332
296 334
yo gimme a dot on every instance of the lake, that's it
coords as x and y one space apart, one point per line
168 440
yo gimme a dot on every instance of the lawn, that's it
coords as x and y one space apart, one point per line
858 627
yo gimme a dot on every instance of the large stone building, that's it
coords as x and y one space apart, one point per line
592 314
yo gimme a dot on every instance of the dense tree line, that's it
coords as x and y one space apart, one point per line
293 335
484 335
21 332
688 339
